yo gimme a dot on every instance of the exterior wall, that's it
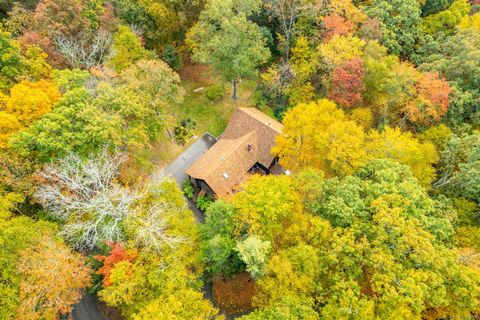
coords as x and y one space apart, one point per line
202 185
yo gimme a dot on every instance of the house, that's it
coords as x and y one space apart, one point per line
243 148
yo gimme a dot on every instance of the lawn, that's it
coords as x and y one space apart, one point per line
210 116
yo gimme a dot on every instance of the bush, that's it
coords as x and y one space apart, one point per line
204 202
215 92
184 131
188 189
171 57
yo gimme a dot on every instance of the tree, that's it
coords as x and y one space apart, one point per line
341 49
400 21
218 239
302 66
225 39
447 20
336 25
117 254
127 49
156 80
348 83
319 135
432 100
75 125
387 246
8 125
254 253
16 234
53 277
288 12
183 304
264 205
60 17
84 195
402 147
455 60
459 165
11 60
472 21
29 101
157 280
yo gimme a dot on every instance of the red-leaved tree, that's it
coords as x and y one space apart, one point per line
348 83
117 254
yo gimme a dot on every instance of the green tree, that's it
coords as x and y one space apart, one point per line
218 244
127 49
400 22
254 253
225 39
11 60
74 125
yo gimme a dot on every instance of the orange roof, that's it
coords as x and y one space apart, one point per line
248 139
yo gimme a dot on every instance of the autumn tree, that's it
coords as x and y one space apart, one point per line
348 86
455 60
431 102
117 254
53 279
29 101
227 40
158 281
336 25
75 125
404 148
382 238
319 135
156 80
17 233
447 20
127 49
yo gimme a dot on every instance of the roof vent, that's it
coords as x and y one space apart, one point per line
226 176
250 147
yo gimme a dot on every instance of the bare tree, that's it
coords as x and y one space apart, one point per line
84 51
84 195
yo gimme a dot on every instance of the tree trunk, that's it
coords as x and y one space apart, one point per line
234 97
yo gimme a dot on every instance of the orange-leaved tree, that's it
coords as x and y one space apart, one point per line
117 253
53 277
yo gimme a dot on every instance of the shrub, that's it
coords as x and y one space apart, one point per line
216 92
184 131
188 189
203 202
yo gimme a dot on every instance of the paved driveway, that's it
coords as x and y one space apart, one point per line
177 168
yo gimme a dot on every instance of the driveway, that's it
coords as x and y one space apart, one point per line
177 168
87 309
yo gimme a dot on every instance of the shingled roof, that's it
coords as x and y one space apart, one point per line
248 139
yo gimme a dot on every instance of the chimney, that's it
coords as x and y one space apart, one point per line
250 147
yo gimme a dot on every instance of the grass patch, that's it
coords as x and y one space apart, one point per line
211 116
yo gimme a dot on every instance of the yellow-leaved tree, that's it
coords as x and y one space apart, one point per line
319 135
404 148
29 101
